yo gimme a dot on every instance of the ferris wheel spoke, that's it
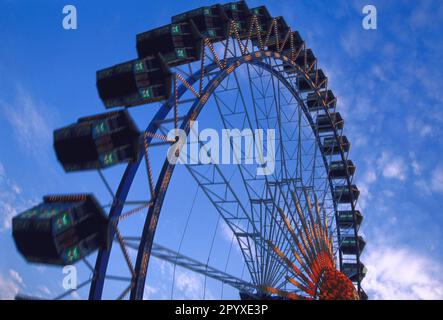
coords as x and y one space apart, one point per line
233 111
135 210
137 203
282 240
284 168
236 218
188 218
118 278
88 265
263 94
189 75
243 169
128 239
196 266
105 182
264 227
227 124
123 248
253 99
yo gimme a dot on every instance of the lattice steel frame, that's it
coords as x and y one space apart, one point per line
159 190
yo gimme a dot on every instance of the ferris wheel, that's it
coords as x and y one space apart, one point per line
289 217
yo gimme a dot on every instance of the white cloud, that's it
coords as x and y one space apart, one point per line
366 195
437 180
9 285
426 15
75 295
416 167
149 292
15 276
11 201
45 290
370 176
189 284
7 212
379 72
420 126
355 42
394 169
364 185
392 166
29 121
430 78
227 233
2 170
400 273
432 183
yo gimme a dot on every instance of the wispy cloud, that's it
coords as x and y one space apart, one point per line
150 292
400 273
10 285
356 42
188 285
7 196
432 183
365 181
11 200
228 235
29 121
7 212
15 276
45 290
416 125
437 180
392 166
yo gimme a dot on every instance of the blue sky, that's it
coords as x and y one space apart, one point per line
388 83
